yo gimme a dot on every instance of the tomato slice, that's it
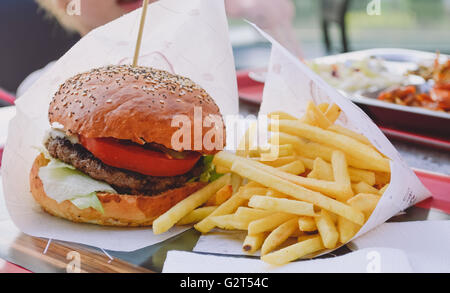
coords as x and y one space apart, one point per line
133 157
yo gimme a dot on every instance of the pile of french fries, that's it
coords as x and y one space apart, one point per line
313 193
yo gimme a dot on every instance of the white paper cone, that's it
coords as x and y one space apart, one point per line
189 38
289 86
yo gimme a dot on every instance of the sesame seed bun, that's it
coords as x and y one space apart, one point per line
131 103
119 209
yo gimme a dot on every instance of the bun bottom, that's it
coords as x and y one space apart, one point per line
119 209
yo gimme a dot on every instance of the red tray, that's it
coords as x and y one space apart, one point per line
5 97
251 92
7 267
439 185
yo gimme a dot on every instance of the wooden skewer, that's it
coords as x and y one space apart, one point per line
141 29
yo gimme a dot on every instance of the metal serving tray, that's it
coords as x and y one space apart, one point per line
414 119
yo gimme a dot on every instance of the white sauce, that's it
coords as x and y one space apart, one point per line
57 132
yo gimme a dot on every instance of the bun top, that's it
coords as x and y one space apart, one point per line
134 103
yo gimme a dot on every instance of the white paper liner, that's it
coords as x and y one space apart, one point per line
369 260
189 38
426 243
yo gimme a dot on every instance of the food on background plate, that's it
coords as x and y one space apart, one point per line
370 75
355 76
409 96
437 98
108 158
286 213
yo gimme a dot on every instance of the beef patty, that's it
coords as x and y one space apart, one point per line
123 181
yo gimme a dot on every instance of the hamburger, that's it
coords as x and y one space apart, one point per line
108 158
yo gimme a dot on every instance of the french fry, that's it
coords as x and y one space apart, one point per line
313 150
252 184
332 189
345 131
341 176
222 170
306 237
296 167
306 149
227 207
221 196
316 116
248 141
356 175
295 207
294 251
187 205
307 224
297 191
296 233
284 138
323 107
346 229
283 151
279 235
196 215
279 161
282 115
333 113
321 170
249 214
309 163
346 144
229 222
277 194
333 217
364 202
363 187
268 223
248 192
327 229
235 182
382 190
253 242
382 178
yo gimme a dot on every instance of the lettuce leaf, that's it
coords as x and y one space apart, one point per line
63 182
209 173
88 201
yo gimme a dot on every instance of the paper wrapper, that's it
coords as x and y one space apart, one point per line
189 38
394 261
289 86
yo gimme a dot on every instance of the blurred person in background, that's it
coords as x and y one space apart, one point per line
273 16
276 17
